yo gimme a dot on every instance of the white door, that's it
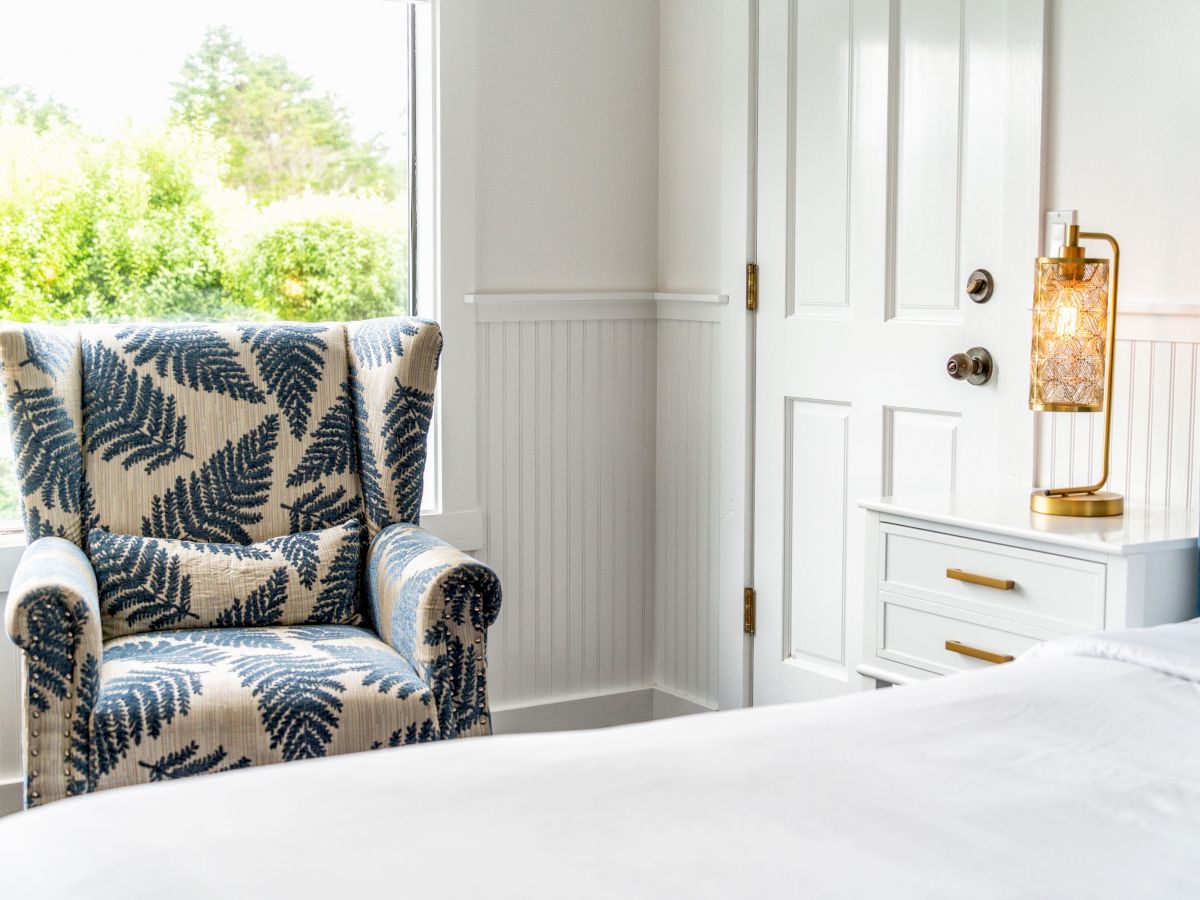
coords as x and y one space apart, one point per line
898 150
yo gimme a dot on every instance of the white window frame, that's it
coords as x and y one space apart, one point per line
445 70
449 226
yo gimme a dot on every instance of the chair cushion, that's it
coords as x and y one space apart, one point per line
180 703
151 584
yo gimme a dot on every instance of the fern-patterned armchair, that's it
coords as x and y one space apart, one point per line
144 450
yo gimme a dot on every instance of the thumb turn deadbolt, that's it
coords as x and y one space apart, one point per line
974 366
980 286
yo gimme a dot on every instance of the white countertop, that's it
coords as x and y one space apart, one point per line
1006 512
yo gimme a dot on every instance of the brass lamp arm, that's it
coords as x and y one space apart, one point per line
1109 351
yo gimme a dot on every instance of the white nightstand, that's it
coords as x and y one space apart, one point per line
967 580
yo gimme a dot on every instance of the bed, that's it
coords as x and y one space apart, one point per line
1074 772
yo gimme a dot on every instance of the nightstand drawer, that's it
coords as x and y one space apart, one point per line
919 637
1042 589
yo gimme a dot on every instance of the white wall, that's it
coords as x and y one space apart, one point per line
567 145
690 73
1123 127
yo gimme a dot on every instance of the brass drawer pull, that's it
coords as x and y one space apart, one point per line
1000 584
976 653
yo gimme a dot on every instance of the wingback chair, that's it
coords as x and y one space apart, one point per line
214 438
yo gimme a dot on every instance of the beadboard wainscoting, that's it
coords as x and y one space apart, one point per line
598 450
1156 397
686 550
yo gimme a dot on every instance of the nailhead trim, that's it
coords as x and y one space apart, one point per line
68 712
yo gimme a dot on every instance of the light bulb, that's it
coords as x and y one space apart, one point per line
1066 321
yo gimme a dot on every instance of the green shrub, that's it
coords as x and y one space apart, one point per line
321 269
140 226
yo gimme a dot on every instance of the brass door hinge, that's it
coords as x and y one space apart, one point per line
749 604
752 286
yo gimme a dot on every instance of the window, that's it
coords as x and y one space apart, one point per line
233 159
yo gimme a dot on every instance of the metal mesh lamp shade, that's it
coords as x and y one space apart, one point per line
1070 335
1071 361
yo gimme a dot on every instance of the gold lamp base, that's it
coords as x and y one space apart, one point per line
1099 503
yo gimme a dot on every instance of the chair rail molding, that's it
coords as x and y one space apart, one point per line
594 305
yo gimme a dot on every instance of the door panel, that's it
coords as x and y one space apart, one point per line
927 103
818 434
895 143
821 102
920 451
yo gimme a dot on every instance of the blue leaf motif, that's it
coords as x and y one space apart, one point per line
317 509
405 429
37 527
184 763
49 670
237 551
126 416
332 447
380 666
48 453
263 606
299 700
164 649
335 602
374 498
218 502
139 581
290 359
410 735
47 349
256 638
321 633
197 357
378 341
302 551
80 751
136 705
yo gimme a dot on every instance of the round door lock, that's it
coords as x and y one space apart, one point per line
973 367
980 286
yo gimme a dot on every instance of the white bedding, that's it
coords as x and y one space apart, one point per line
1075 773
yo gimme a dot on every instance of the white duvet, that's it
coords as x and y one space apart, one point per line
1072 773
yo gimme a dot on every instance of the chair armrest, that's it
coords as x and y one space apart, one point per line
53 614
434 604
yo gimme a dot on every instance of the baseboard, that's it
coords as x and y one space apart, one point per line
595 711
668 705
10 796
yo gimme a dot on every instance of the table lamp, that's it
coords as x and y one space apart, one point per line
1071 363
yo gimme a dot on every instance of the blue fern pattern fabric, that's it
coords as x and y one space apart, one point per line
303 692
393 370
53 614
434 605
151 584
42 387
212 470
